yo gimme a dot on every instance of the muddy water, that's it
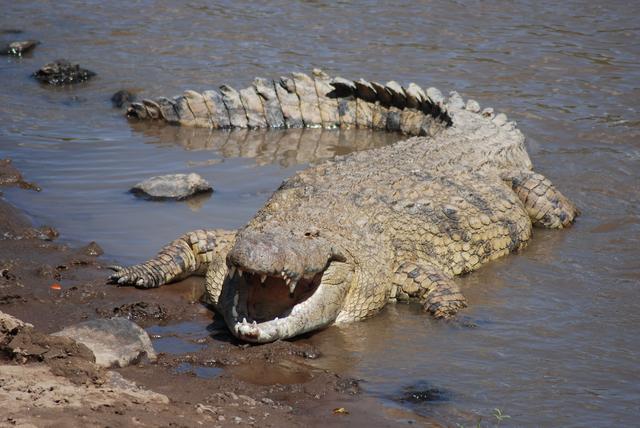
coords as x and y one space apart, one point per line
555 340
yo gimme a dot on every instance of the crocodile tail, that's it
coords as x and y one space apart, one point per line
300 100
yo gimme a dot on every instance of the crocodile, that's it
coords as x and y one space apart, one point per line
339 240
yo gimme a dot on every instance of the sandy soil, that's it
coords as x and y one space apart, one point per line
50 382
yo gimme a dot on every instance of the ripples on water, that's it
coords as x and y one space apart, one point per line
556 340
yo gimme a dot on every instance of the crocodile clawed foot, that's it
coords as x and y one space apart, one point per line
135 276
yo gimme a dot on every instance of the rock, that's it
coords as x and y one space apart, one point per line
19 48
121 98
172 186
26 388
92 249
9 175
62 72
10 325
115 342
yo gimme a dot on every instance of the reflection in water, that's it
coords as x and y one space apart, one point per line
285 147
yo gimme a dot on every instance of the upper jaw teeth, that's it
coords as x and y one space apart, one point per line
289 281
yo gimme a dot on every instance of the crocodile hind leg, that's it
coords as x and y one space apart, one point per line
188 255
438 293
546 206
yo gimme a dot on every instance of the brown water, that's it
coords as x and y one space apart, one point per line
556 340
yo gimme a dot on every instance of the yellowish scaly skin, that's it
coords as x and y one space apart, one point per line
387 224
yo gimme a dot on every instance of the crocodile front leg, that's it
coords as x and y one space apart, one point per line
188 255
546 206
438 294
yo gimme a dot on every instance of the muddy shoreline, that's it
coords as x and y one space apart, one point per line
220 382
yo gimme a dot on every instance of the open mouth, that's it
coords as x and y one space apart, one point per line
265 297
262 307
271 306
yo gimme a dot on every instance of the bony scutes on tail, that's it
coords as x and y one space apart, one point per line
339 240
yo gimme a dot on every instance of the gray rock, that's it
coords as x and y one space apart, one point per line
20 47
115 342
10 325
62 72
172 186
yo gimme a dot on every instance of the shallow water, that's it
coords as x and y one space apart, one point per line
555 341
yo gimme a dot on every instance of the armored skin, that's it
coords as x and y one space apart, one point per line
339 240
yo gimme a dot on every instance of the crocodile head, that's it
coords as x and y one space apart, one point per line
283 281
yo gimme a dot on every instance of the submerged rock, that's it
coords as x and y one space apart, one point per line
62 72
173 186
115 342
19 48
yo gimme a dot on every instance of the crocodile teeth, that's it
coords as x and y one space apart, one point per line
244 321
232 271
255 324
263 278
292 286
240 271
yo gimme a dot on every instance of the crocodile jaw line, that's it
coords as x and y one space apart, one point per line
313 302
